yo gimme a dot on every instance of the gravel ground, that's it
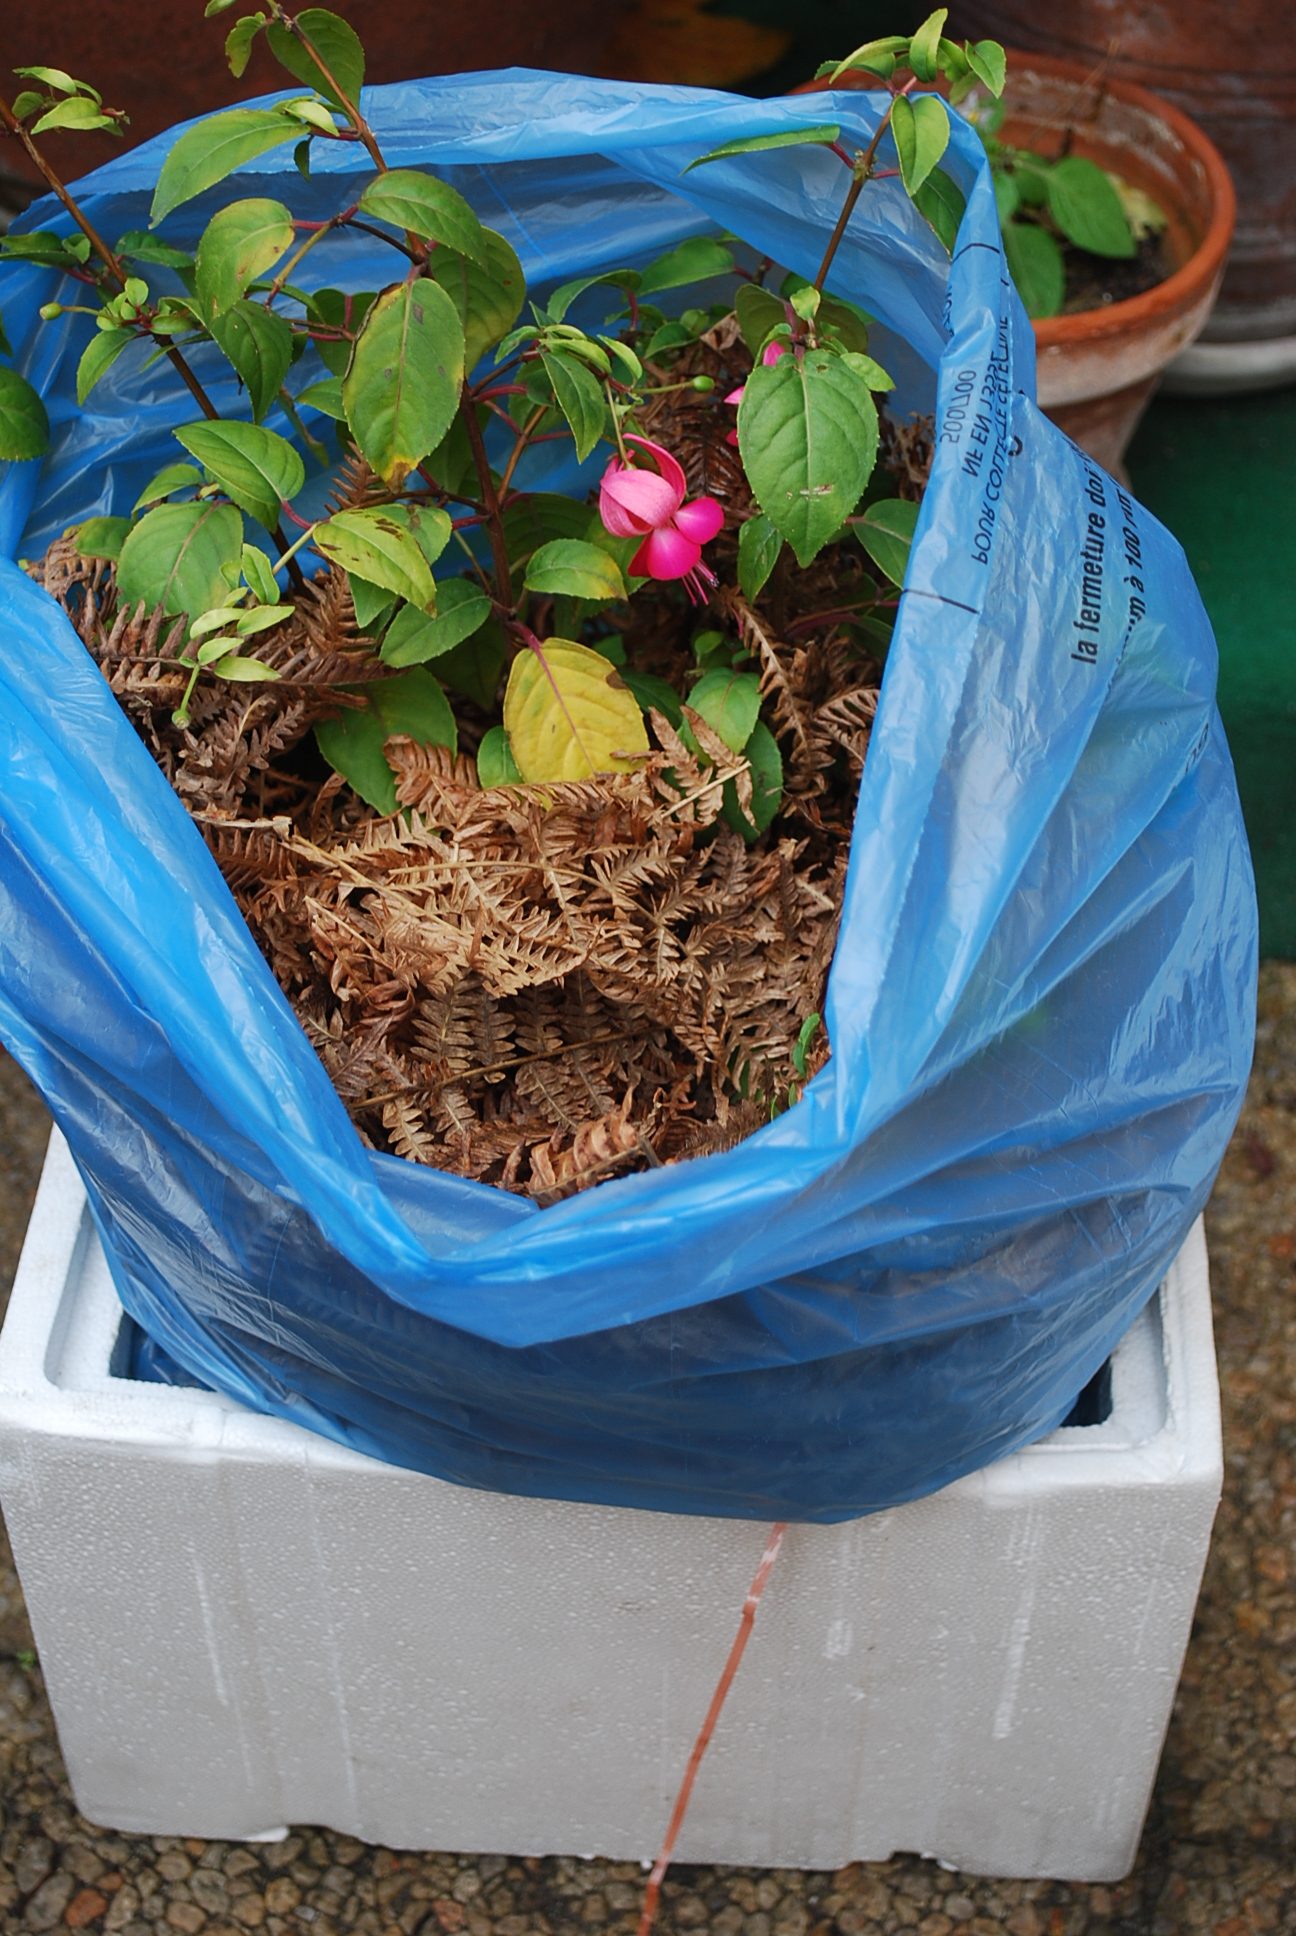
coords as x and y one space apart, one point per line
1219 1851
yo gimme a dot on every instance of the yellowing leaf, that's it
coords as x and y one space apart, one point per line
568 714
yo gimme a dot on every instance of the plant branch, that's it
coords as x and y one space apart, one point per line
491 503
110 261
348 106
524 438
863 169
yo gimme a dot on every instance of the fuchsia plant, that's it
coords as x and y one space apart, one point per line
639 503
438 385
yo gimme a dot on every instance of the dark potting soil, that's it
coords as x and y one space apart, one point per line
1095 281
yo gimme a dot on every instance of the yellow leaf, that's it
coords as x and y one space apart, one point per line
568 715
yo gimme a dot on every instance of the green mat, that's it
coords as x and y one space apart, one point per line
1221 474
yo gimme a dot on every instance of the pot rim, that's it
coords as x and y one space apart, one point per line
1187 284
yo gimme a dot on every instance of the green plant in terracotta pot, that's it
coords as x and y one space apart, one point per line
1131 176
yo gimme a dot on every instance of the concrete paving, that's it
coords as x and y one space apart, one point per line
1219 1851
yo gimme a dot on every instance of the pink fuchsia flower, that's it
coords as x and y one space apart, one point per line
635 502
770 354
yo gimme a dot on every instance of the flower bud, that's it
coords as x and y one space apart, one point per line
703 383
48 311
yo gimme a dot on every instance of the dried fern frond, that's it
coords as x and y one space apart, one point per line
539 987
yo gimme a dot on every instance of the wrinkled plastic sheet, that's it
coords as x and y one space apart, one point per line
1040 1007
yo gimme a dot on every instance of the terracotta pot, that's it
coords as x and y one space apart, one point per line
1225 67
1099 368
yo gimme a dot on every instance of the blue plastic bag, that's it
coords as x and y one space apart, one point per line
1040 1008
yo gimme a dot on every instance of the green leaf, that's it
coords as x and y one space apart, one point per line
539 516
258 570
338 309
219 619
808 436
610 647
139 246
669 336
312 114
875 57
402 387
579 570
823 134
488 300
942 202
239 42
374 543
335 43
171 477
353 746
1083 202
260 346
496 765
729 702
324 396
766 763
178 556
412 200
1036 266
759 545
924 47
759 312
921 132
805 1036
952 61
416 705
1031 177
206 153
414 637
53 77
42 245
1007 195
886 531
254 466
260 618
579 395
625 356
988 62
372 604
429 525
649 690
867 370
474 667
77 113
6 347
101 537
24 426
243 671
569 714
562 339
695 260
565 295
99 354
240 243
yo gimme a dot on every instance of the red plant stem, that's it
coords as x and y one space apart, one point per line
863 169
490 499
359 124
653 1891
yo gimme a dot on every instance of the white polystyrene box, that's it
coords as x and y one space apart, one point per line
243 1626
